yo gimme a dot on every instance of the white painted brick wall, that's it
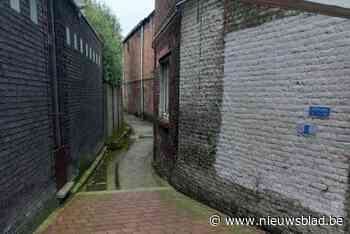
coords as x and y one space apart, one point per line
273 73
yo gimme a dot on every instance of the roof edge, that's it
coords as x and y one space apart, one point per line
81 14
138 26
306 5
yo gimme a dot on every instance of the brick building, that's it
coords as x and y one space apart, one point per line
80 85
138 69
52 105
261 107
166 45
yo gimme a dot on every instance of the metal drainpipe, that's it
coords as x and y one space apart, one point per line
58 139
142 91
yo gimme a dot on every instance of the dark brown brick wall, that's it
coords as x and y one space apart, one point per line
166 132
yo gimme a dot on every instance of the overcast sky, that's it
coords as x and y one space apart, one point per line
130 12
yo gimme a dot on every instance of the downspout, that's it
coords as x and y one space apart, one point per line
142 90
56 110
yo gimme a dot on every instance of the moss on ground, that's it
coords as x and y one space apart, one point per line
198 211
119 139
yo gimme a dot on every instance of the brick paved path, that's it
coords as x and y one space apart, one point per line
144 211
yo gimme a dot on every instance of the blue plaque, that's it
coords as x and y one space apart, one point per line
320 112
307 129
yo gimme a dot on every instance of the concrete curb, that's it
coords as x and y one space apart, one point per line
154 189
89 172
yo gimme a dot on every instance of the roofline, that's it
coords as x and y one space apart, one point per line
86 20
306 5
138 26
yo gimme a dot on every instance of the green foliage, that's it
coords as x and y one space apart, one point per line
119 139
107 26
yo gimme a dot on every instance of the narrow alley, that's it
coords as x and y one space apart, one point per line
174 116
144 204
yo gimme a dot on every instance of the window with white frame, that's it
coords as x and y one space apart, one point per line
68 39
33 10
75 41
81 46
164 90
15 4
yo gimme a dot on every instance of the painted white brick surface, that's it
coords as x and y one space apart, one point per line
273 73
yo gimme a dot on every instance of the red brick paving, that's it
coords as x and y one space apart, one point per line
145 212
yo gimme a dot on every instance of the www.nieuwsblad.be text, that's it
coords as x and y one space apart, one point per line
216 220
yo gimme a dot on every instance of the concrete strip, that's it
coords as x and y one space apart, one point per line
89 172
154 189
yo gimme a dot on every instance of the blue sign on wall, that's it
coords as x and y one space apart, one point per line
319 112
307 129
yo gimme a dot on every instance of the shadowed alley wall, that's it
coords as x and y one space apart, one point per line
80 85
26 137
33 165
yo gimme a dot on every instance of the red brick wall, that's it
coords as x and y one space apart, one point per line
132 70
167 43
164 8
148 68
